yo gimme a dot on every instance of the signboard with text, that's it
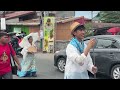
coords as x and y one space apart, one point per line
3 24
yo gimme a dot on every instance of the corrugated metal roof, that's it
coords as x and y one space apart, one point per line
18 14
71 19
101 25
37 22
27 24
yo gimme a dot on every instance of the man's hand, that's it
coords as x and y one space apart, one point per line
91 43
94 69
19 67
17 61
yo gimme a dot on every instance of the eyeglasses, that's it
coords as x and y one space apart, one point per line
81 29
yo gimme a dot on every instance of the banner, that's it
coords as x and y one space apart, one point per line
3 24
49 26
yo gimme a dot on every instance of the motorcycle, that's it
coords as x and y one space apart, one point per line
14 41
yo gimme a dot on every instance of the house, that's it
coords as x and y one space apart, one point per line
19 16
22 21
27 26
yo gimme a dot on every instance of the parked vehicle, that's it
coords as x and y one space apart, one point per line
102 31
60 60
106 54
107 31
14 41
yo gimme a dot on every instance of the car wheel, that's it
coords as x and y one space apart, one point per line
61 64
115 72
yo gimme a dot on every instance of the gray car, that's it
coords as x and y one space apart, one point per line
106 55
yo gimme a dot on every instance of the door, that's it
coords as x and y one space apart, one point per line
104 53
25 29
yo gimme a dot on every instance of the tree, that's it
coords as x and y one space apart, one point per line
109 16
88 29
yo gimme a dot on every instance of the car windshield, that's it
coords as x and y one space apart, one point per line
106 42
118 38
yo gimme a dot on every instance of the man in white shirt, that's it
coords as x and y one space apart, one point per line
78 57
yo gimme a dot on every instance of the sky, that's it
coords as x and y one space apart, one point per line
86 14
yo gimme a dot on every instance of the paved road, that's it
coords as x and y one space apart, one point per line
46 69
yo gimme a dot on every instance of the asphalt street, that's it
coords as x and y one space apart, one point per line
47 70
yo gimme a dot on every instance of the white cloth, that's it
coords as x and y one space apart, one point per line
25 42
24 50
41 34
28 62
77 64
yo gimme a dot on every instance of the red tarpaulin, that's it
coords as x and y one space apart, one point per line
114 30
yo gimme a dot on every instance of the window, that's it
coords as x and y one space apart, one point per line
114 44
17 30
107 43
86 42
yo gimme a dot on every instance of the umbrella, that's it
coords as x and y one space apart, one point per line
114 30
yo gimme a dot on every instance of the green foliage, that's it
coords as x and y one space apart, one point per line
109 16
88 31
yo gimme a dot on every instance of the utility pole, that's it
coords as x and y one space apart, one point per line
42 30
92 20
3 23
3 14
94 46
91 14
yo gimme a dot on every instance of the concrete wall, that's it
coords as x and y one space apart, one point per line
14 20
65 13
61 44
34 29
61 13
63 31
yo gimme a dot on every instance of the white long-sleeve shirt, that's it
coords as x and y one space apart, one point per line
25 50
77 62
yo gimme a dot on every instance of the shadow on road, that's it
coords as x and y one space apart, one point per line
99 76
